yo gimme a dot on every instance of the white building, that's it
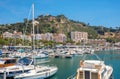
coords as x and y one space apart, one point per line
26 37
7 35
48 36
38 37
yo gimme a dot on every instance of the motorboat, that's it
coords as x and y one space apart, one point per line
39 55
25 68
22 65
93 69
5 62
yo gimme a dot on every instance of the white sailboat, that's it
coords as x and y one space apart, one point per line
38 71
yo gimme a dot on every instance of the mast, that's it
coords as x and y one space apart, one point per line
33 34
33 26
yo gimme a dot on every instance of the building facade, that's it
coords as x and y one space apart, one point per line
59 38
97 41
17 35
7 35
79 36
49 36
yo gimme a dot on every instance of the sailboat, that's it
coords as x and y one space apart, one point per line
25 68
38 71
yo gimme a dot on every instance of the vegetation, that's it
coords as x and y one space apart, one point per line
112 40
55 24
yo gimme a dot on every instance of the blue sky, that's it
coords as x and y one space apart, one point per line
96 12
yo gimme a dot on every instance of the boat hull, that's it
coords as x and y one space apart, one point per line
36 75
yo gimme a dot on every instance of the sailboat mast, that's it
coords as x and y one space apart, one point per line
33 26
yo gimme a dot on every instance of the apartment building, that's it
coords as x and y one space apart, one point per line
48 36
17 35
79 36
59 37
97 41
7 35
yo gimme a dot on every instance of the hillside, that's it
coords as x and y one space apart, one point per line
56 24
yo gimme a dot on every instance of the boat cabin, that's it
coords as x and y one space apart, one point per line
93 69
5 62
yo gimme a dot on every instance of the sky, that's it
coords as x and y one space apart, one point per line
95 12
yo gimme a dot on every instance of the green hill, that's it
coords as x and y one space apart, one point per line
55 24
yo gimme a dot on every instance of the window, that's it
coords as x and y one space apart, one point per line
81 75
94 75
87 74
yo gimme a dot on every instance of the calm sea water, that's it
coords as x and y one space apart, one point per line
67 67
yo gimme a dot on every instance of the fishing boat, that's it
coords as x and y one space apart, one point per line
93 69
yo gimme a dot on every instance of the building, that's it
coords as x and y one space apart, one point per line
79 36
43 37
97 41
48 36
36 23
38 37
51 18
17 35
26 37
62 37
7 35
59 37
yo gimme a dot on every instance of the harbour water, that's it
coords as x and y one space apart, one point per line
67 67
